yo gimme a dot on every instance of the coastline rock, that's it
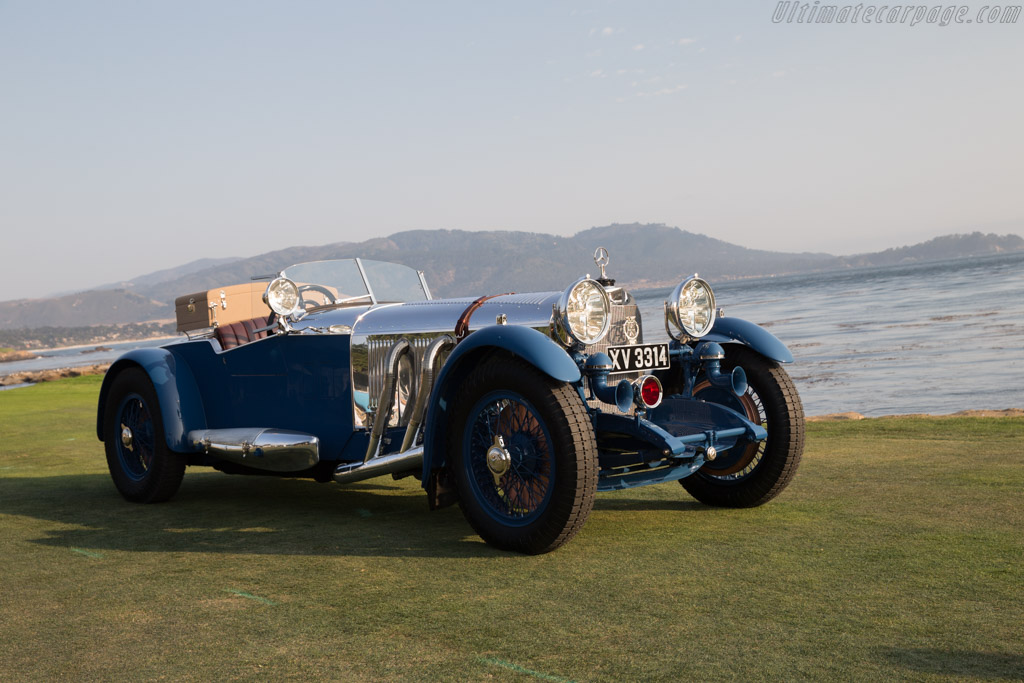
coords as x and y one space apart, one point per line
835 417
10 356
33 376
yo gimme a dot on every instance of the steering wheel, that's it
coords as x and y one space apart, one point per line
310 305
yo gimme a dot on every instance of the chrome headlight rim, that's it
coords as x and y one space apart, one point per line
674 315
279 293
566 333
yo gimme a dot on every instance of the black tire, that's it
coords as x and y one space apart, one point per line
144 470
548 451
748 474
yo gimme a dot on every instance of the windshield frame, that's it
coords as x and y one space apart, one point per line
371 293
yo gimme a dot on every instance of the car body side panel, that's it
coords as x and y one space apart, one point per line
181 400
296 382
535 347
728 329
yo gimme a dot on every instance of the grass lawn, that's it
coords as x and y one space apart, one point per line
897 553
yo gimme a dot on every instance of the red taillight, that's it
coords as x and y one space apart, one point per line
650 391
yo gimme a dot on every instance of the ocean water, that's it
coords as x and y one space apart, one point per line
77 356
922 338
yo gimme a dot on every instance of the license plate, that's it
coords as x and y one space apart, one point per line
639 357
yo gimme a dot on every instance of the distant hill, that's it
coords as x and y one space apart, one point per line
466 263
170 274
939 249
459 262
85 308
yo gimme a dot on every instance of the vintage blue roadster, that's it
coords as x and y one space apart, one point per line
520 407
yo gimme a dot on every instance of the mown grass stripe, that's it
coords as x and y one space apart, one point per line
87 553
250 596
523 670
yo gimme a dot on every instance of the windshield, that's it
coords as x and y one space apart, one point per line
330 283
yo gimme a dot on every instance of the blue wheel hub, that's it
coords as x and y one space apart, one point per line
508 457
135 444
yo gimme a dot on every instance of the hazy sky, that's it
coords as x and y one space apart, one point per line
141 135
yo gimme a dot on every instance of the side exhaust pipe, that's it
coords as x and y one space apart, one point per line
387 396
430 356
408 457
385 464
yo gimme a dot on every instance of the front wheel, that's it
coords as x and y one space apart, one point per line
524 457
749 474
143 468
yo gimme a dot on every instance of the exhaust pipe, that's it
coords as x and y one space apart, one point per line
711 354
374 465
385 464
430 356
387 396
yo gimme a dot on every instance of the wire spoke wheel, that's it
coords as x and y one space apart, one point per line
523 456
135 440
752 473
143 468
516 484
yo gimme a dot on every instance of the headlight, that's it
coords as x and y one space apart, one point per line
692 307
282 296
584 312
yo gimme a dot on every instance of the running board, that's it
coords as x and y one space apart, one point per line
273 450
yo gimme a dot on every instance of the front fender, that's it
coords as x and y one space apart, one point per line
752 335
527 343
181 405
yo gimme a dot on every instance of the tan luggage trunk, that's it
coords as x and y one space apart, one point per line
220 306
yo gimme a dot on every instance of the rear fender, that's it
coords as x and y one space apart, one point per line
181 405
749 334
534 347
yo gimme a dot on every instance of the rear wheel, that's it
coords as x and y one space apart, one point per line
144 470
750 474
524 457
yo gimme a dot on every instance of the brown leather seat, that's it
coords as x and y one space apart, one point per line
242 332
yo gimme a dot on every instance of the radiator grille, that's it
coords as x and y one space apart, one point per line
616 332
408 373
617 337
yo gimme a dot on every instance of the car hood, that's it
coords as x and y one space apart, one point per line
439 315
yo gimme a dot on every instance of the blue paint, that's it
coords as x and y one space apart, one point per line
297 382
535 347
687 419
644 476
181 403
728 329
526 343
669 445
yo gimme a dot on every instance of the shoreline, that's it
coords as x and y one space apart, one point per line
30 377
74 347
